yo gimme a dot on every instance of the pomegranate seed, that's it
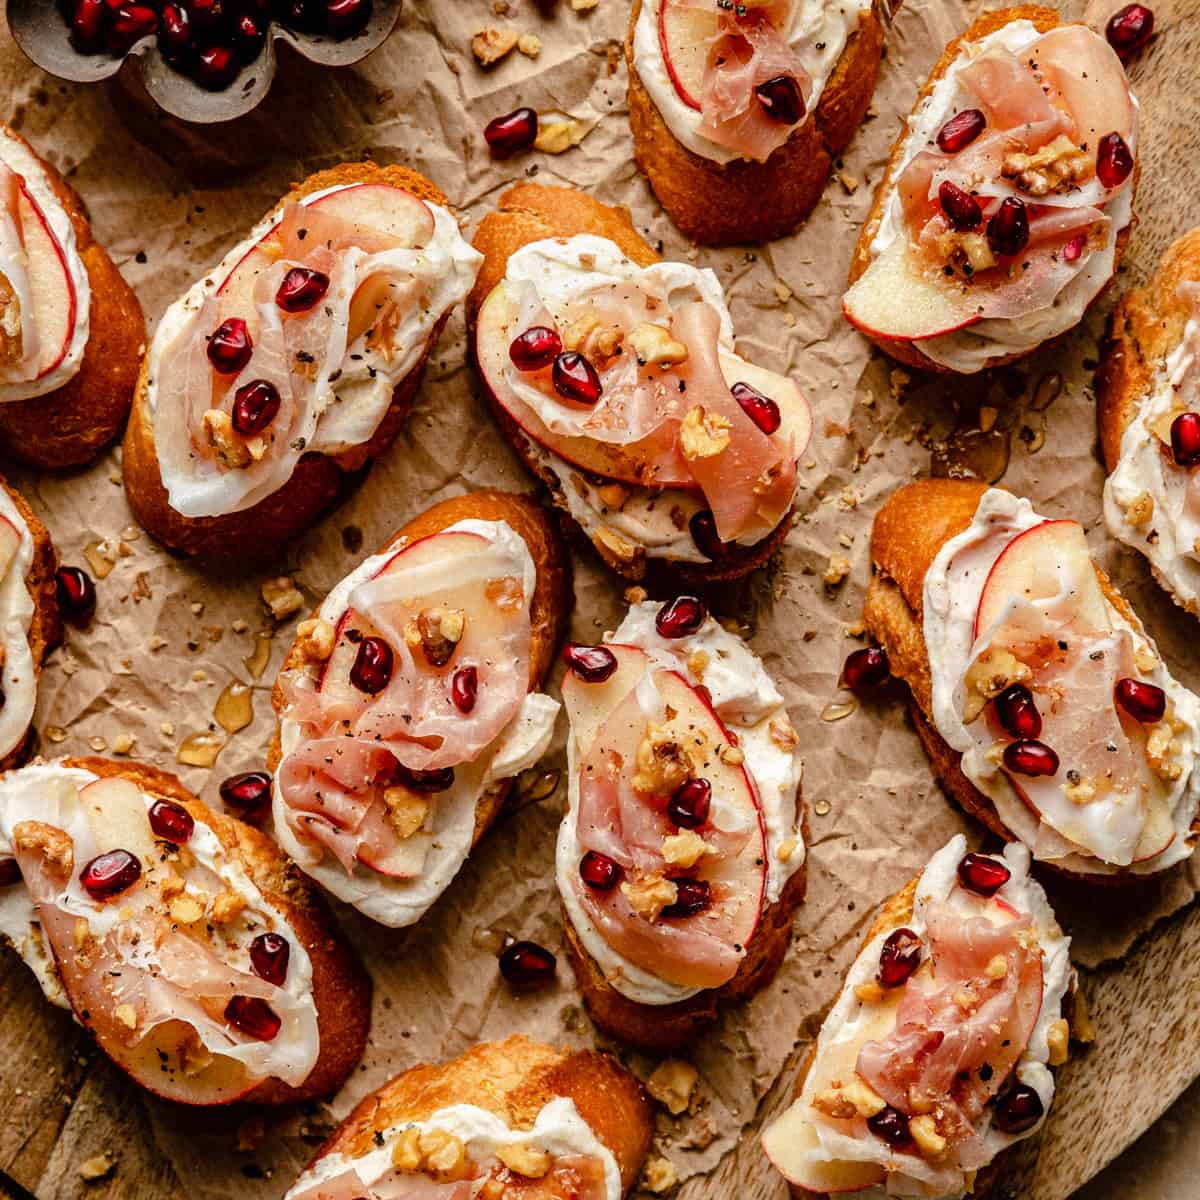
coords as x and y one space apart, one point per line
1142 701
690 804
961 130
372 666
250 37
464 688
1018 1109
982 875
1113 160
347 17
302 287
248 793
899 957
1185 439
1017 712
110 873
1129 29
1027 757
703 528
575 378
961 208
171 822
205 13
216 68
175 34
1008 229
230 346
762 410
512 133
526 965
890 1125
269 954
426 782
534 349
692 896
683 615
76 594
254 1017
255 406
10 872
1074 248
865 668
600 872
87 25
781 99
593 664
130 23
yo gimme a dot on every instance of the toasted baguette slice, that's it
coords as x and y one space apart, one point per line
550 605
908 352
717 204
895 913
910 529
318 482
1146 327
341 989
528 213
514 1080
71 425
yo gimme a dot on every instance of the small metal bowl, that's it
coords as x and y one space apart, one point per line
43 35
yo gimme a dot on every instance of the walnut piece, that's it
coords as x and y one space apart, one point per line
490 45
442 1153
185 910
99 1166
993 671
966 249
529 44
226 907
524 1159
621 548
221 436
649 896
51 843
11 338
598 341
557 137
684 849
672 1084
783 734
924 1132
1054 168
659 1176
282 597
703 435
870 992
1058 1039
655 347
406 810
437 632
837 570
663 765
315 639
1140 510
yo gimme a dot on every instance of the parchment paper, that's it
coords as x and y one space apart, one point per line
168 201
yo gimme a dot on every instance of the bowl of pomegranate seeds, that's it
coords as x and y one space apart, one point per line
202 60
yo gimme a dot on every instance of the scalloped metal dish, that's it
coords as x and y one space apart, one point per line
39 30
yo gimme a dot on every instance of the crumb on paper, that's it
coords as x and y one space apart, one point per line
782 291
660 1176
848 181
123 743
557 137
529 44
99 1166
282 597
580 6
490 45
673 1084
836 571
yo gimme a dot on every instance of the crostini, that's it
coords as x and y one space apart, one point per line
1040 698
30 623
410 701
71 329
681 858
1007 200
739 110
511 1120
614 376
936 1055
275 380
203 963
1148 389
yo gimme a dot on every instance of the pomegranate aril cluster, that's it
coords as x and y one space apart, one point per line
208 40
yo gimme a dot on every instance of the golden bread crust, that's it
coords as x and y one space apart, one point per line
515 1079
71 425
717 204
341 987
319 481
908 352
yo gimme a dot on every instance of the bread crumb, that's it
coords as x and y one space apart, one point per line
99 1166
672 1085
529 44
836 571
848 181
490 45
660 1176
619 547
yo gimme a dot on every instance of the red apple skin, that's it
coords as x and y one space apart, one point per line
72 297
665 46
875 334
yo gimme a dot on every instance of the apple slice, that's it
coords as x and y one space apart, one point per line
685 35
791 1142
797 420
116 811
589 705
10 543
1035 565
50 283
897 297
402 860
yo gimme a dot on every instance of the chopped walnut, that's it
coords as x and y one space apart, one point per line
11 338
315 639
635 595
1144 658
997 967
282 597
703 435
662 762
672 1084
659 1176
51 843
526 1160
597 340
1161 749
966 250
732 756
221 436
171 884
697 664
442 1153
186 910
649 896
833 1104
490 45
583 5
406 1150
988 676
1140 510
655 347
684 849
226 907
557 137
436 632
783 734
924 1132
1054 168
837 570
529 44
99 1166
619 547
1057 1039
866 1100
1079 791
406 811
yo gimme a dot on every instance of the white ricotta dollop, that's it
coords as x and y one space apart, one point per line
49 792
845 1024
817 30
521 744
18 673
24 162
747 701
969 350
953 585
